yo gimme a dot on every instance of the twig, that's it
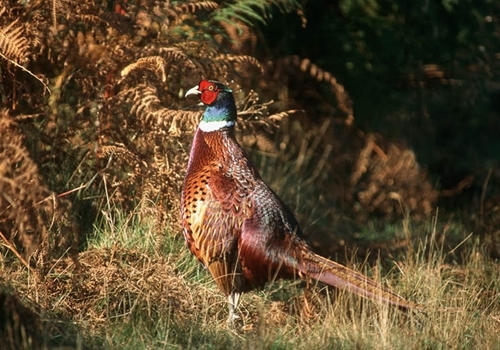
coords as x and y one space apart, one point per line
63 194
71 191
459 244
27 71
483 195
14 250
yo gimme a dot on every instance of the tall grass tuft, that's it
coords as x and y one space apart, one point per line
135 289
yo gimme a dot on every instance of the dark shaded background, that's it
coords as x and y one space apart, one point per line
425 73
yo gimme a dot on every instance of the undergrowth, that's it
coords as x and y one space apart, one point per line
135 289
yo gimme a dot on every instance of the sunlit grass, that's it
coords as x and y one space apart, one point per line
138 287
150 297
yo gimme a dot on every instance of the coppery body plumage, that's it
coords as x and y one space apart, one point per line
237 226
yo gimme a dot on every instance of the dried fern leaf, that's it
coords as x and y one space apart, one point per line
173 54
192 7
154 63
13 43
343 99
244 61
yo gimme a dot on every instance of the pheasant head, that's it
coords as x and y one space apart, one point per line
221 109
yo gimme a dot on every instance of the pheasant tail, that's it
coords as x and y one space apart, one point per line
340 276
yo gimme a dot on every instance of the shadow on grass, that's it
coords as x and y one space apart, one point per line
31 328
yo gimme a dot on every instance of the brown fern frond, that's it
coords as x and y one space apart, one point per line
154 63
198 49
192 7
60 8
17 44
174 54
135 166
92 19
146 105
13 43
56 8
343 99
244 62
177 121
31 216
389 181
144 101
160 17
120 151
55 5
361 166
257 127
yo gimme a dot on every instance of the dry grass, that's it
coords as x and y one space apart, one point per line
124 295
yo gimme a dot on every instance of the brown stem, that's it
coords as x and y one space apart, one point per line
14 250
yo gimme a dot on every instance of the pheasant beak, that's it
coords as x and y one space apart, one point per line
193 91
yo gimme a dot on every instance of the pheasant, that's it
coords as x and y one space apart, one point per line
237 226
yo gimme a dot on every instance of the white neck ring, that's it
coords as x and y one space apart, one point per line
214 126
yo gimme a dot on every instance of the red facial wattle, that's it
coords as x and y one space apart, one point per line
209 92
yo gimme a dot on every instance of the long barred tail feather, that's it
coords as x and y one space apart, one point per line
340 276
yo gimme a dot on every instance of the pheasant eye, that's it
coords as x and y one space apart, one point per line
211 87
